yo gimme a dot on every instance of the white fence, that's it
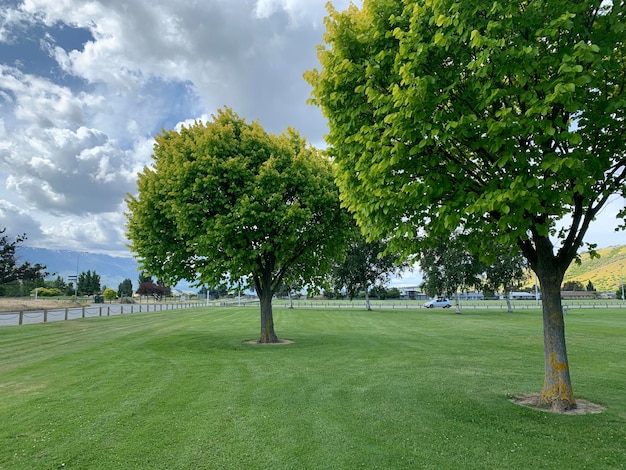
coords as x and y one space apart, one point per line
25 317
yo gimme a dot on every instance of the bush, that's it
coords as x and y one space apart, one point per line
47 292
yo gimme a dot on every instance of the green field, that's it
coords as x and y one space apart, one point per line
399 388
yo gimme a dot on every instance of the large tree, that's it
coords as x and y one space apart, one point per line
225 200
505 119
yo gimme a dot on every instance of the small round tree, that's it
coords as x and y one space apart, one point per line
109 294
225 201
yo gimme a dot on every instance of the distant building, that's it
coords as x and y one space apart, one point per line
471 296
412 293
578 294
607 295
520 296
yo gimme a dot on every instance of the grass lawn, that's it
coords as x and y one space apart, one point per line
383 389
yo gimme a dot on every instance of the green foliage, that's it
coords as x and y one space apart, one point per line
16 278
573 285
448 266
499 117
89 283
125 289
144 277
367 265
47 292
109 294
58 283
383 293
505 267
225 201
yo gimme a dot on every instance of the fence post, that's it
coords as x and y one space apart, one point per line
66 312
83 312
45 315
108 311
21 320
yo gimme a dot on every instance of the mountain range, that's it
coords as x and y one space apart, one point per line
65 263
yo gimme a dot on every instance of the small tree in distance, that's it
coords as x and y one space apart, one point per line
150 289
504 267
449 265
109 294
366 266
125 289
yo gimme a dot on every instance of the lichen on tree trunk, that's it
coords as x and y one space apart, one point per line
557 390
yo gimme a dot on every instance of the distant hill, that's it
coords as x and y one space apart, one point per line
605 272
111 269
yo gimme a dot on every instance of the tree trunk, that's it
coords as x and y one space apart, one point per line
557 390
507 295
265 293
367 299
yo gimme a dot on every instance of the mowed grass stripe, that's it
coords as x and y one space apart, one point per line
382 389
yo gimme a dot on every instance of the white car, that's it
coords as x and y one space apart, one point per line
445 303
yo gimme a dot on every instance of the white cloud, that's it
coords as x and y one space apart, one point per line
18 221
67 171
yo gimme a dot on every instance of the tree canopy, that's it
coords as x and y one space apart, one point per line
125 288
365 266
10 267
89 283
504 119
225 200
448 266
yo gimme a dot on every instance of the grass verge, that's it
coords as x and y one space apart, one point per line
383 389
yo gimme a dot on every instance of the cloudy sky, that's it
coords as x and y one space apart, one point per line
86 84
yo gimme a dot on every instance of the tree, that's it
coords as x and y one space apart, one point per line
225 200
504 119
381 292
590 287
10 268
150 289
573 285
144 277
213 292
58 283
506 266
448 266
89 283
125 289
109 294
365 266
